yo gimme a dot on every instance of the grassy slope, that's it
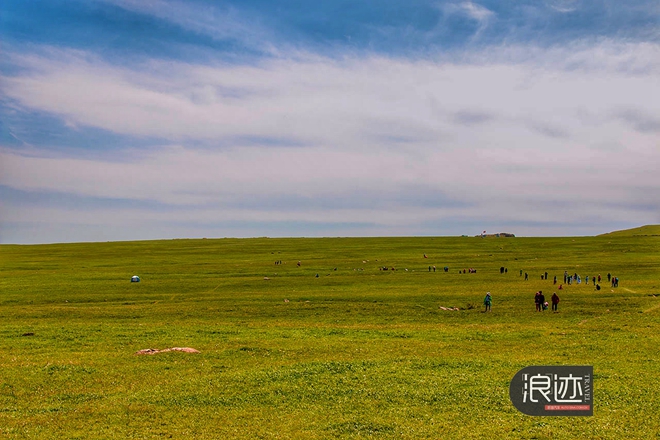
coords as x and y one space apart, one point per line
357 352
647 230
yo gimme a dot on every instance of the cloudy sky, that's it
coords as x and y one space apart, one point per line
145 119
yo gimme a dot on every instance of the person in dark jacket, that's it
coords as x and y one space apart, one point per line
555 301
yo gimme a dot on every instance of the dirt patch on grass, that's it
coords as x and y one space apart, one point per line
151 351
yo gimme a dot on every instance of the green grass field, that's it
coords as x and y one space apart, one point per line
652 230
355 353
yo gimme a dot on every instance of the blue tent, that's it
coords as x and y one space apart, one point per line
135 279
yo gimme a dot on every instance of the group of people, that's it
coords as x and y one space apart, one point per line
539 300
577 279
596 280
446 269
542 304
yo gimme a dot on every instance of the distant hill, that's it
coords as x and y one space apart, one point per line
641 231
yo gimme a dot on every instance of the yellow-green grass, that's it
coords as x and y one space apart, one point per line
640 231
355 353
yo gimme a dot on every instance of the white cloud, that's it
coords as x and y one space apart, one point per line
564 6
476 11
516 136
219 23
321 101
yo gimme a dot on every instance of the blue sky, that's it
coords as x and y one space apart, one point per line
132 119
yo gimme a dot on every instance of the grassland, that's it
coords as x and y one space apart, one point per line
648 230
356 352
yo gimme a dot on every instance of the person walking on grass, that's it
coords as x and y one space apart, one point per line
544 304
487 302
555 301
537 301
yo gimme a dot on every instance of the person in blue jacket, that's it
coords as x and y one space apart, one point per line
487 302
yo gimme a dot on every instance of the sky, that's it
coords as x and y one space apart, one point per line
157 119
